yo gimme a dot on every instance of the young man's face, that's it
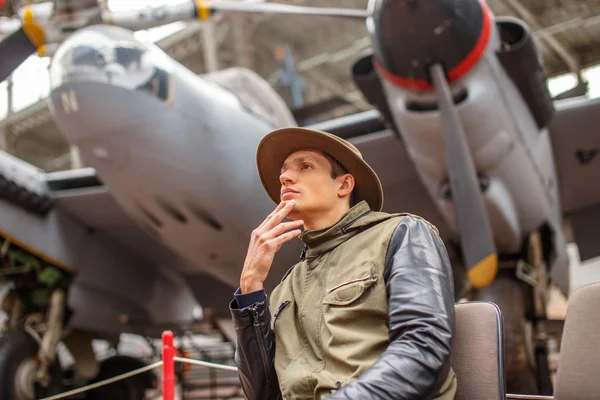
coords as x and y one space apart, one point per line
306 179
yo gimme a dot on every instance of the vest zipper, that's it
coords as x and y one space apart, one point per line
349 224
261 344
303 253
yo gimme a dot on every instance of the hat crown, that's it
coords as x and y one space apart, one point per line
345 142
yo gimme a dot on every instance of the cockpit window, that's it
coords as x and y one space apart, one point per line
85 55
126 56
111 55
157 84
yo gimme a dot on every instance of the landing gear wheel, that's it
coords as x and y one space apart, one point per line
18 368
509 294
133 388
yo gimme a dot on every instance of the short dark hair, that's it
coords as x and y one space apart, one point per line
337 169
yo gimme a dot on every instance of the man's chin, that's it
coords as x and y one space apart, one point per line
295 213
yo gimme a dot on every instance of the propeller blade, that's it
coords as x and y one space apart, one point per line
14 50
276 8
474 227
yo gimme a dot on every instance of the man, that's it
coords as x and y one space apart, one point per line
368 311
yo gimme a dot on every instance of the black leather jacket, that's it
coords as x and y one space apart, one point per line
421 324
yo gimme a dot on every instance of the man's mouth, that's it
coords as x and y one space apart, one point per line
288 190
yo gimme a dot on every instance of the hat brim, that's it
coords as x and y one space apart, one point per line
275 147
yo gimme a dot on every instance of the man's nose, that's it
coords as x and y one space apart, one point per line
286 177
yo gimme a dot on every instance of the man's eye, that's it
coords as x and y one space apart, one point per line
306 166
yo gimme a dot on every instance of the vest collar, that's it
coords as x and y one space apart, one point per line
323 240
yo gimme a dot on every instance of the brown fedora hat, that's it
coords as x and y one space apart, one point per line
276 146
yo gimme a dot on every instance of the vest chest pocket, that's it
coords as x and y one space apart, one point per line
279 310
347 292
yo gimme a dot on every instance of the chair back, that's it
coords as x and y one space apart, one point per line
579 360
478 352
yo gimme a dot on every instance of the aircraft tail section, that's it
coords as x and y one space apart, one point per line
23 185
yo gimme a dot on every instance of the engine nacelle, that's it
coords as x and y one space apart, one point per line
410 36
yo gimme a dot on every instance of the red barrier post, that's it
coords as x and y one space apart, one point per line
168 352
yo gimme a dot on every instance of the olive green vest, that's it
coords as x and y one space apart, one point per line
330 310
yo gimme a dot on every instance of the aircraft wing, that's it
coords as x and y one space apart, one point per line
81 194
576 145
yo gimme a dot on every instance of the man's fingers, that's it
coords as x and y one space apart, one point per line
286 237
276 218
281 228
270 216
279 207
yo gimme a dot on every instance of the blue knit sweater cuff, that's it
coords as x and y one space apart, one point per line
248 299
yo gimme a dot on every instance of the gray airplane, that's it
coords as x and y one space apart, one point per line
464 133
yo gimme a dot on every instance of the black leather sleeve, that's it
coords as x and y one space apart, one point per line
255 352
420 290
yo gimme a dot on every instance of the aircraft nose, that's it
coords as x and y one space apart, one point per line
113 56
411 35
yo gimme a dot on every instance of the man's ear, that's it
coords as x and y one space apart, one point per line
346 185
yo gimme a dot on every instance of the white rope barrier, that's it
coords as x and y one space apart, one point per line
105 382
137 372
206 364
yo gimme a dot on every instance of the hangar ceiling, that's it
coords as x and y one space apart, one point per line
323 48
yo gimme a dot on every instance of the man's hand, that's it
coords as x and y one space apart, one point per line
265 242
